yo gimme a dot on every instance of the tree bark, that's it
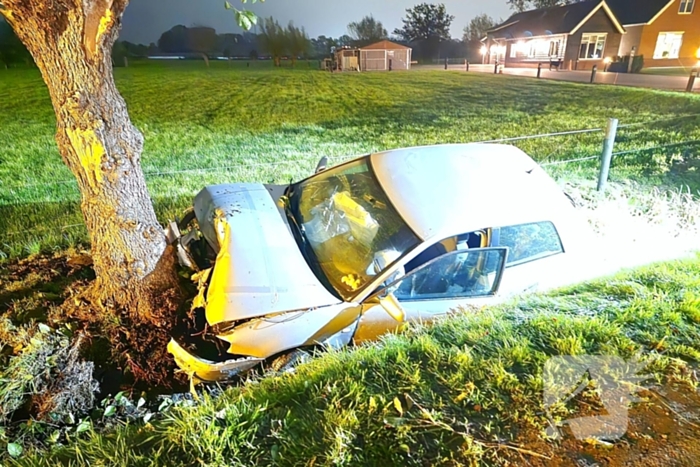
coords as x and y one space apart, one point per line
71 42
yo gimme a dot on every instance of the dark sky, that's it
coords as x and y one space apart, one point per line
145 20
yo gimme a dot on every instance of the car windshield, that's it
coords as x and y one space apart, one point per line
347 222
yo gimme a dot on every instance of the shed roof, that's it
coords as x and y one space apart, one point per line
385 45
565 19
637 11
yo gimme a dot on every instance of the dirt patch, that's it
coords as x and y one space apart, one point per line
662 431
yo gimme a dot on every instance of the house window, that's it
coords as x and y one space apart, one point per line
513 50
592 46
554 49
686 7
668 45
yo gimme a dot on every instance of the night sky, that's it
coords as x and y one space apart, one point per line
145 20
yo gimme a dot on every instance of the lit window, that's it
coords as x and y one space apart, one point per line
668 45
686 7
592 46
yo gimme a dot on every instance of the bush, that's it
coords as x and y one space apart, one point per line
620 64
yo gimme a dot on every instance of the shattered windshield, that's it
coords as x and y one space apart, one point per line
349 225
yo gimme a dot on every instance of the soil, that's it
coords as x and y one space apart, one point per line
663 430
49 289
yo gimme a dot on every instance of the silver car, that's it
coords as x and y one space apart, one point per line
353 251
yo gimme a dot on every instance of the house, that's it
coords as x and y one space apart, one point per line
665 32
574 37
385 55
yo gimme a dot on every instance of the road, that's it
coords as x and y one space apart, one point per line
668 83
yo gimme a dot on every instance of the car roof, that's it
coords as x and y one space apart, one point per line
448 189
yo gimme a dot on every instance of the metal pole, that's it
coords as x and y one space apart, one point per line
606 157
539 69
631 62
466 65
445 63
691 80
593 72
495 68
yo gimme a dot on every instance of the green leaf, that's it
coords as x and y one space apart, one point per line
228 6
397 405
243 20
110 410
14 449
83 426
119 397
53 437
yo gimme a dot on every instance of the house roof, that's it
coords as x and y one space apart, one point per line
637 11
385 45
565 19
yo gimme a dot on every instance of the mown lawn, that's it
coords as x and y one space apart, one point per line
232 123
466 391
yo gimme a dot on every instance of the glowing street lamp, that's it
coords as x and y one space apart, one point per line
484 50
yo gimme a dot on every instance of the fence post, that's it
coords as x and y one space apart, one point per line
606 157
593 73
495 68
466 65
445 63
691 80
539 69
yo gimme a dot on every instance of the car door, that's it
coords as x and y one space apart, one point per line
458 278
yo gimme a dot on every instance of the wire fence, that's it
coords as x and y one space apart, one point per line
303 162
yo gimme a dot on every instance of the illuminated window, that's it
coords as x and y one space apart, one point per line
592 46
668 45
686 7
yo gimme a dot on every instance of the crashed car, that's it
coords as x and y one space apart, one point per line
353 251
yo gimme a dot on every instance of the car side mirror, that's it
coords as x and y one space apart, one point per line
322 164
392 306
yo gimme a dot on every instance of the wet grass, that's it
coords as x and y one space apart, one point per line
231 123
456 393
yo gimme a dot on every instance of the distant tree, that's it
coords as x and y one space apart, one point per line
298 42
152 49
273 39
120 54
524 5
253 55
12 51
477 27
173 40
367 31
427 24
201 40
344 40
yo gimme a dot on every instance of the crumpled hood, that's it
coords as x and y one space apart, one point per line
259 269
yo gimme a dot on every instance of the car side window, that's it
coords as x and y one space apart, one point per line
462 273
528 242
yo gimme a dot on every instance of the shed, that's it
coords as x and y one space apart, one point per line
347 59
385 55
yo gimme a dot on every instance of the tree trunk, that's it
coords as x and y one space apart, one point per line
71 42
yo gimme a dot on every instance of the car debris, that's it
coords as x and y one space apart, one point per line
353 251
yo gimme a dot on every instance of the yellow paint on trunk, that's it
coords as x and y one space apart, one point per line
90 152
105 22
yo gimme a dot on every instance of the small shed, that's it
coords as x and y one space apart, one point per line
347 59
385 55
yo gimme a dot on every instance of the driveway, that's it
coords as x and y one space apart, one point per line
668 83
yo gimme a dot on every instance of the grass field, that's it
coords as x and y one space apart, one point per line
464 392
231 123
